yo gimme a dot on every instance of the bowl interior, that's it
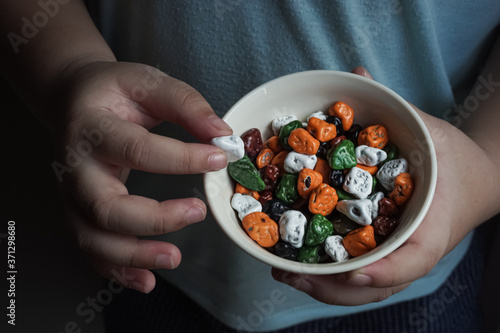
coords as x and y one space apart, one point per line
301 94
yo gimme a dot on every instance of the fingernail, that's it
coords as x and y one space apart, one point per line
195 214
164 261
360 280
139 287
217 161
219 124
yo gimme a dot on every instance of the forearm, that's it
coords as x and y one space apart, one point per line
480 156
42 41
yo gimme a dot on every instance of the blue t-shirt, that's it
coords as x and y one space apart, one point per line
428 51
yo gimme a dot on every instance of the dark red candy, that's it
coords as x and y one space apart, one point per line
265 196
384 226
387 207
270 175
336 140
252 139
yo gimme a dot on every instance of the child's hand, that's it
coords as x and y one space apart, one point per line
466 195
107 108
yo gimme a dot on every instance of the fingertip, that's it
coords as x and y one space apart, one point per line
217 160
219 125
360 70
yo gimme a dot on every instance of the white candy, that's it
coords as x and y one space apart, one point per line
375 198
245 204
390 170
292 225
358 182
359 210
279 122
294 162
232 145
370 156
335 249
318 114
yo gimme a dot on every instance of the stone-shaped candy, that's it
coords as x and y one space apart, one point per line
279 122
375 199
370 156
389 171
318 229
244 172
360 210
286 251
286 190
294 162
252 140
342 156
335 249
358 182
232 145
309 254
245 204
292 226
318 114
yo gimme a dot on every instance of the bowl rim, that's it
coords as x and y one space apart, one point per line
352 263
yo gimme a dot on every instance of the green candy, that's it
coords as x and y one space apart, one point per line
374 184
285 133
344 195
318 230
286 190
343 156
392 153
244 172
309 254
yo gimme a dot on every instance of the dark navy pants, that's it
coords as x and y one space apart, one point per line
453 308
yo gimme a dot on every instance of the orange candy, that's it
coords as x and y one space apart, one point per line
279 160
374 136
370 169
323 168
274 144
243 190
308 181
360 241
403 188
261 229
344 112
303 142
323 200
321 130
264 158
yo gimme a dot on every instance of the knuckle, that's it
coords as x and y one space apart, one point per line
136 150
188 97
383 294
100 211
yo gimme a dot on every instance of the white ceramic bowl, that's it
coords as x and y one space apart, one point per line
301 94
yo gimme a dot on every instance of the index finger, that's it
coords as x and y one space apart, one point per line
170 99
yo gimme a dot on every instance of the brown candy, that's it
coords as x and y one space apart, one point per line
383 226
387 207
252 140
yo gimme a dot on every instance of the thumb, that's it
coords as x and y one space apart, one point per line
360 70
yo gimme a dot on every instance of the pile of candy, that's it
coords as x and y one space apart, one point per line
319 191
